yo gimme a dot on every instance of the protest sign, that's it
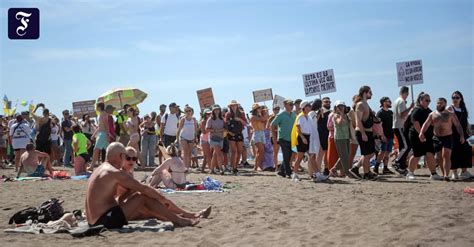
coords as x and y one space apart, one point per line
319 83
410 73
205 97
278 101
262 95
84 107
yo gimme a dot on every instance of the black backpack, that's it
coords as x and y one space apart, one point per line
48 211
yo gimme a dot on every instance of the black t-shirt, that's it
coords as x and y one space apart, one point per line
387 119
67 134
323 124
420 115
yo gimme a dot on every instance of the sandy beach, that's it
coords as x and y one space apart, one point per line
265 210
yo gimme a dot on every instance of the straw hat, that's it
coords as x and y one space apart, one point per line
233 102
255 106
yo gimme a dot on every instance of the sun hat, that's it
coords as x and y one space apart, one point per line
304 104
339 102
233 102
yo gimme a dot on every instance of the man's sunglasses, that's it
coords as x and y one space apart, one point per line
128 158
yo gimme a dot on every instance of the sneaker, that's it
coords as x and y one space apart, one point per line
436 177
465 175
326 172
376 169
387 171
319 178
235 171
455 176
398 169
410 176
446 179
295 177
280 173
370 176
355 172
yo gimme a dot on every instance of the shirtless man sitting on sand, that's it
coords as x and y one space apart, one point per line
123 194
102 207
442 121
34 167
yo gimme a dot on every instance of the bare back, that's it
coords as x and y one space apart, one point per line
103 121
101 191
30 161
442 123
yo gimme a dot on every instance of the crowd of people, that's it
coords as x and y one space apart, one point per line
324 135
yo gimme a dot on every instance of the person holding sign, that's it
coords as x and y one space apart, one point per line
364 133
258 120
235 122
442 120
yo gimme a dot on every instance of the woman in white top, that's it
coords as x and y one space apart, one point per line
55 141
304 127
132 126
187 129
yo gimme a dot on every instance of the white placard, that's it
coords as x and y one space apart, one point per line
319 83
410 73
262 95
278 101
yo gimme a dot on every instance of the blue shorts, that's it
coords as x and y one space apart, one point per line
101 141
39 172
259 136
216 143
387 146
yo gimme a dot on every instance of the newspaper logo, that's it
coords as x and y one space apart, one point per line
23 23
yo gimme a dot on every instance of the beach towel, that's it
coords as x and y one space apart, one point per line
81 177
82 228
171 191
32 178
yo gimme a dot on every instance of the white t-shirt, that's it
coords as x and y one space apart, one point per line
21 135
171 125
305 124
399 107
55 133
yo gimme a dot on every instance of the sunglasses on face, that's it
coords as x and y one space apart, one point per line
128 158
456 97
427 100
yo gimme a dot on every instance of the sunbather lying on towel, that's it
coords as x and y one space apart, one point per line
172 172
102 207
35 163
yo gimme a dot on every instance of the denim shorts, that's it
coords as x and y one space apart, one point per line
216 143
259 136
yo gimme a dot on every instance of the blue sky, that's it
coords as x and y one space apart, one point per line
170 49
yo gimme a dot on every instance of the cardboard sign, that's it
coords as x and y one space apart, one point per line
205 97
410 73
84 107
278 101
319 83
262 95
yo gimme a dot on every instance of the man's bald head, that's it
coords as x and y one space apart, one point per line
114 153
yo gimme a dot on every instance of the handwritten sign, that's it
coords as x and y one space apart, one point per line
205 97
278 101
262 95
410 73
84 107
319 83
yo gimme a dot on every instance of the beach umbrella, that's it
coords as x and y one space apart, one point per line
121 96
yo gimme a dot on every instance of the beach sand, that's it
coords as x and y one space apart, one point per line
265 210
